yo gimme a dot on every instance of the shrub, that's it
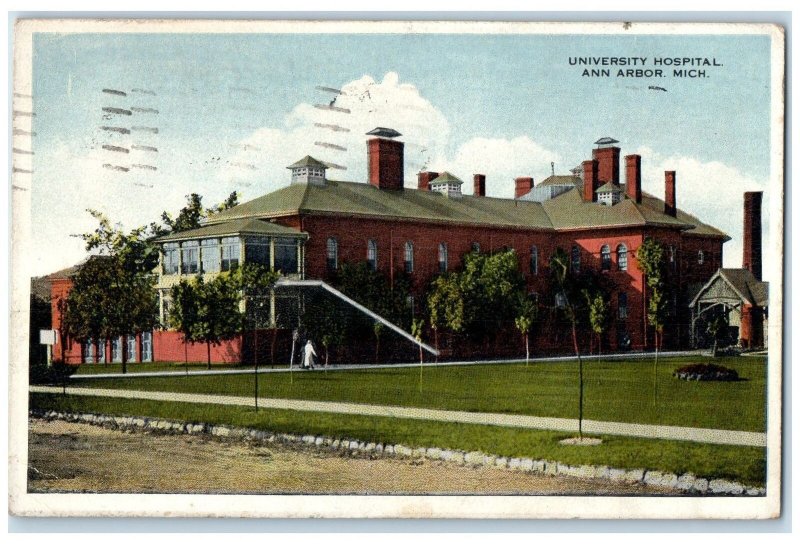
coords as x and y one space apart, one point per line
706 372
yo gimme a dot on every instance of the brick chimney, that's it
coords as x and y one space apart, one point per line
751 248
479 187
608 162
633 177
669 193
385 159
522 186
424 179
590 180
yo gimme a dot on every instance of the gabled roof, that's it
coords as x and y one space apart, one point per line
308 160
560 180
609 188
237 226
742 282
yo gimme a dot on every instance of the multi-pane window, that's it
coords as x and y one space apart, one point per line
190 257
286 255
409 257
256 250
575 261
442 257
333 254
171 258
147 347
622 257
372 254
605 258
88 351
116 349
131 339
230 253
534 260
209 255
622 305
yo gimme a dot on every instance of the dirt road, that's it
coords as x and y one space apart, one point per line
71 457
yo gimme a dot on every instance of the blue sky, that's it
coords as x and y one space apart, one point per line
233 110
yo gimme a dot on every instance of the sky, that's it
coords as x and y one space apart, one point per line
233 110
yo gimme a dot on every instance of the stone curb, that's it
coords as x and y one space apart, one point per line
688 483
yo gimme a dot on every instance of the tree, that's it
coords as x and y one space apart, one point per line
527 310
715 326
566 288
598 314
191 215
650 260
445 305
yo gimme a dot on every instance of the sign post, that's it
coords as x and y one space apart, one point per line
48 337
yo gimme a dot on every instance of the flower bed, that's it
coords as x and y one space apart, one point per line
706 372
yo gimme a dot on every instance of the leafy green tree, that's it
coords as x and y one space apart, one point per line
650 260
191 215
257 282
598 308
445 305
527 311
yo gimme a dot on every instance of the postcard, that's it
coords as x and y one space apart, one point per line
403 269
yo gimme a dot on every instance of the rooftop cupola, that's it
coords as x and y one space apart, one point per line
447 184
308 170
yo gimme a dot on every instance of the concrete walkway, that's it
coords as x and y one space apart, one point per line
219 372
691 434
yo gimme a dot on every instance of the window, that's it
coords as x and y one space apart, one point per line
230 254
442 257
700 257
476 247
410 303
256 250
147 347
286 255
534 260
672 257
101 351
372 254
409 257
209 255
88 351
622 305
622 257
575 263
190 257
333 254
171 258
131 348
561 300
116 350
605 258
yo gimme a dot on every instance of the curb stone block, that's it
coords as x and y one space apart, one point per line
513 463
501 462
700 485
335 444
433 453
319 441
379 448
636 475
446 455
526 464
308 439
388 449
474 458
685 481
725 487
489 460
356 445
457 457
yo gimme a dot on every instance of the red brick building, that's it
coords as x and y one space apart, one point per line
308 228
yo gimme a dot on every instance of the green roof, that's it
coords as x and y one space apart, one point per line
237 226
609 188
445 177
308 160
567 211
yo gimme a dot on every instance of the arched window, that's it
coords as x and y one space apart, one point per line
575 262
333 254
605 258
372 254
409 257
700 257
534 260
442 257
622 257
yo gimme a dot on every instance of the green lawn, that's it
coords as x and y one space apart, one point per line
743 464
614 390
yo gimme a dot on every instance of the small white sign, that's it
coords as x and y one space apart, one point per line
48 337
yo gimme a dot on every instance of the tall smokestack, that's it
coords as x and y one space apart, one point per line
633 177
590 180
424 180
522 186
385 159
669 193
479 188
751 247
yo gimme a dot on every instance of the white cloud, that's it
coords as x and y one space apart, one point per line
712 191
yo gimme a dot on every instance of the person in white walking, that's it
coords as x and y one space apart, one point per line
308 355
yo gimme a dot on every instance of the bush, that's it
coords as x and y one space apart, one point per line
706 372
56 373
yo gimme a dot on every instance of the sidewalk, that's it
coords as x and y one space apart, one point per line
691 434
